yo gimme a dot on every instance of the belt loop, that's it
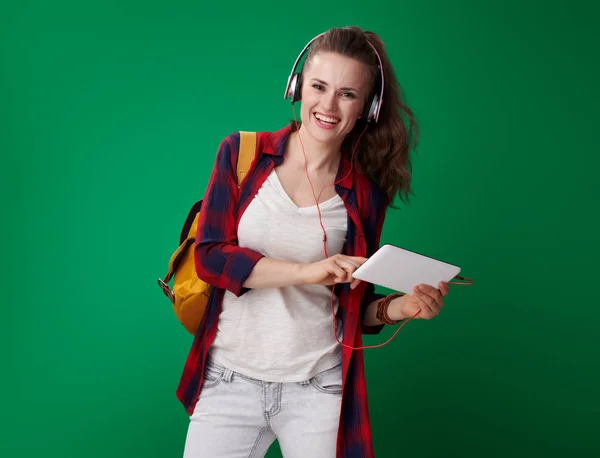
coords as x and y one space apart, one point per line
227 375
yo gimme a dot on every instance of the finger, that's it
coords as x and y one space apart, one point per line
432 292
433 305
346 265
337 272
444 288
350 265
355 283
425 303
356 259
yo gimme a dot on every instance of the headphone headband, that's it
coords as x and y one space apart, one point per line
292 89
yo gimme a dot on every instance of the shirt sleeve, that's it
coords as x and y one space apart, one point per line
219 260
370 295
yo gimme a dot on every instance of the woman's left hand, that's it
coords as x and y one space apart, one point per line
426 299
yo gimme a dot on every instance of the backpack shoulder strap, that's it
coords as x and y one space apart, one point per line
187 237
246 154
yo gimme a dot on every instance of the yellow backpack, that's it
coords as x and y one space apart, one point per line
189 295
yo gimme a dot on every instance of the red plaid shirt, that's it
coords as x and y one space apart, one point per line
225 265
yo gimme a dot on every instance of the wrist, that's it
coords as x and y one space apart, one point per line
384 308
300 274
395 309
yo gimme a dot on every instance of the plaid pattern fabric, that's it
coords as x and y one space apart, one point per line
226 266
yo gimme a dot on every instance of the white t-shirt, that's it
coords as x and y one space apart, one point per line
283 334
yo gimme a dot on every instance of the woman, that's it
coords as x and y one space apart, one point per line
267 361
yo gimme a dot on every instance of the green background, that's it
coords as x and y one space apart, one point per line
110 116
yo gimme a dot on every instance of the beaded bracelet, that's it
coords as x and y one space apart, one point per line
382 309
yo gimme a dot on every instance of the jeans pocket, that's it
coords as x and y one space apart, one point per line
329 381
213 374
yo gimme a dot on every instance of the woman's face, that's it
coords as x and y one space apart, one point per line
334 92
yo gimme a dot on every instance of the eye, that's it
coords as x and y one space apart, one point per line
317 86
348 95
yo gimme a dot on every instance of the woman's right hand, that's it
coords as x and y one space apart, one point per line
335 269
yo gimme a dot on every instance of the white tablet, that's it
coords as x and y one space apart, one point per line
401 270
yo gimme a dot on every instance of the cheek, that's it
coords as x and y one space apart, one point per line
353 112
309 102
304 111
349 126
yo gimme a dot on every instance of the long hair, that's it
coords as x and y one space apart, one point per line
383 153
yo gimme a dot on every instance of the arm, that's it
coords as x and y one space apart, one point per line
274 273
394 312
425 301
219 260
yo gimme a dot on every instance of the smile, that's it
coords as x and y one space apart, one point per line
326 122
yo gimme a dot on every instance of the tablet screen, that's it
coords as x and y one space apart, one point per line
401 270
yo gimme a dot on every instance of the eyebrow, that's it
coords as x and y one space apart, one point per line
341 89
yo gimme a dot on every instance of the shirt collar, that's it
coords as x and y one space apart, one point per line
275 145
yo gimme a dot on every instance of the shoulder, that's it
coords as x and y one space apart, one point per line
265 140
230 143
228 151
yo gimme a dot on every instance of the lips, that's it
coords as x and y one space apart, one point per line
327 118
325 121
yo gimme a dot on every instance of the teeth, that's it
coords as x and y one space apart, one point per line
326 119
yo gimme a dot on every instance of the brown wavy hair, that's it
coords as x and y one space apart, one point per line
383 153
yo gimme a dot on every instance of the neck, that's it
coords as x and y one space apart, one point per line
321 157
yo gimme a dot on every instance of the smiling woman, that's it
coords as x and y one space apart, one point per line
277 355
383 152
335 93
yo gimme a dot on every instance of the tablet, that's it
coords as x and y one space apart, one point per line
401 270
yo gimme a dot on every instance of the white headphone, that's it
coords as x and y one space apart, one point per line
293 89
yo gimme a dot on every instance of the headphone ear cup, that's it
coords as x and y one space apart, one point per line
297 87
290 93
372 109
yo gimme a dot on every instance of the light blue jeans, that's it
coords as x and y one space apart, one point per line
240 417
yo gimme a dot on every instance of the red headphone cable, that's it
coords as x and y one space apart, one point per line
325 236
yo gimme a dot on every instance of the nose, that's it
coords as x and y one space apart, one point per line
330 101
